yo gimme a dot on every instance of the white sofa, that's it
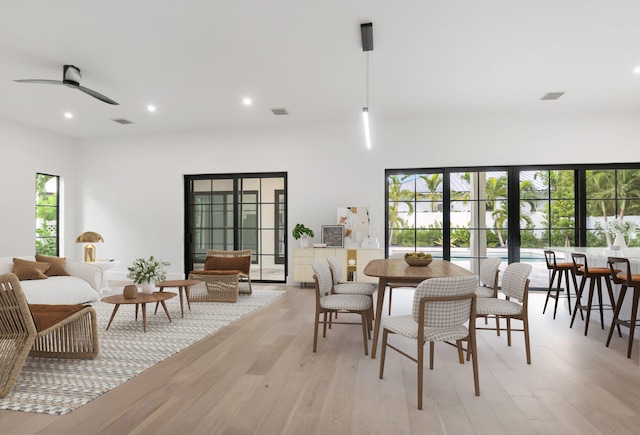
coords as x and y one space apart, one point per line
81 286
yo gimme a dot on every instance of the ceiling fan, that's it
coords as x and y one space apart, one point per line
71 77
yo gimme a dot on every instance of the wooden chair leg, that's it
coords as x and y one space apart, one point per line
420 372
589 305
474 355
509 331
612 300
324 325
546 301
383 351
632 322
365 330
616 312
390 291
558 285
525 327
432 349
601 301
460 353
315 331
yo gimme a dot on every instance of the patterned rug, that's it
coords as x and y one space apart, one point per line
56 386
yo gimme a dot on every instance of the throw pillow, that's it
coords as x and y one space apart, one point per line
243 264
46 316
57 265
25 269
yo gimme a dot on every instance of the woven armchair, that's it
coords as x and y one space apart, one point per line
244 285
217 286
71 332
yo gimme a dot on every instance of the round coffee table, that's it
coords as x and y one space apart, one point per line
141 299
183 286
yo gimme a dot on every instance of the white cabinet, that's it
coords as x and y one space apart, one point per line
304 257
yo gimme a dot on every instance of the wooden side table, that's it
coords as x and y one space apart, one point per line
143 300
183 286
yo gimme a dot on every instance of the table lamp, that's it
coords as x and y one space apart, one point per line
89 237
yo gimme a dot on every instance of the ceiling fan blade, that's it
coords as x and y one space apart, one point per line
41 81
97 95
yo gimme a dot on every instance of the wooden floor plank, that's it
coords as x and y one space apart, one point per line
260 376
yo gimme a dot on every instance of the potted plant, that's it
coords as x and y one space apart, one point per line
302 233
622 230
146 272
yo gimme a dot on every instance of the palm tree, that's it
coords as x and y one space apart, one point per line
601 184
433 183
397 196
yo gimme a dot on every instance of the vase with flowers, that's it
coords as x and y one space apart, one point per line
146 272
621 230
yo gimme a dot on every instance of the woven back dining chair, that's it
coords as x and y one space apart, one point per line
441 308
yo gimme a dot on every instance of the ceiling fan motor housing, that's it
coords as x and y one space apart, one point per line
71 75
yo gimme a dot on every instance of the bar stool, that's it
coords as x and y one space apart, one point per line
593 275
625 280
559 269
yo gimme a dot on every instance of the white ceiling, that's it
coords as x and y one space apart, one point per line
196 60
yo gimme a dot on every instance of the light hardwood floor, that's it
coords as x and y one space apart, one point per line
260 376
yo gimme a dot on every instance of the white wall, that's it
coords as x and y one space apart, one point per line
132 187
23 152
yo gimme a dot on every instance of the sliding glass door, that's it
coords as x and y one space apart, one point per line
237 211
467 214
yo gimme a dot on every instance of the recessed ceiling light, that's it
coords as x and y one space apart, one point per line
68 115
637 70
247 101
151 108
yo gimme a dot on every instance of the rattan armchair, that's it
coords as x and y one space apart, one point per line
244 285
74 335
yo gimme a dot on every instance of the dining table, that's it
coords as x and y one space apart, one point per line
396 270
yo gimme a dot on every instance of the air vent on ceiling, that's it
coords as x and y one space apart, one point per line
553 96
281 111
122 121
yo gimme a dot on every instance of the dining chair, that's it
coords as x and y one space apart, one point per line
488 284
488 278
558 270
327 302
626 280
515 287
441 308
349 287
44 331
595 276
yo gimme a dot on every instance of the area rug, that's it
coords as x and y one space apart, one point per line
56 386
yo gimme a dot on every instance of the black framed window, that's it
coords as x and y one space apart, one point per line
466 214
47 214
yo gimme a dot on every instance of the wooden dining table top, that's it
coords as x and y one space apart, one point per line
397 270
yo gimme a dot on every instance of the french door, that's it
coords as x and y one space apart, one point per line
238 211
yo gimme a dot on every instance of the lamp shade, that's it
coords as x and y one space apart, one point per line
89 237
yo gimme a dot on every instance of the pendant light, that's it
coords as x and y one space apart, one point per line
366 32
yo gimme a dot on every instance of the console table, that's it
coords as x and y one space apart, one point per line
353 262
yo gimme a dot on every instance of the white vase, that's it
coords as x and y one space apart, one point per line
620 241
148 287
305 242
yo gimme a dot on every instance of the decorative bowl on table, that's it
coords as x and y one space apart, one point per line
417 259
